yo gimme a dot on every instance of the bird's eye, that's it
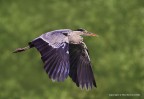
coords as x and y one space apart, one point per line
66 34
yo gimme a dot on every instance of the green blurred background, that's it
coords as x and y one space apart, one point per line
117 55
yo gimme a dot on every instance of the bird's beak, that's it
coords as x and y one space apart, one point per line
92 34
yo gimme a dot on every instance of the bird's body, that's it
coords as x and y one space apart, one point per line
55 37
65 54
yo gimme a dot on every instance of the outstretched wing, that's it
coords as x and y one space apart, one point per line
54 49
80 66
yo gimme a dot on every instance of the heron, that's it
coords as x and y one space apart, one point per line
64 54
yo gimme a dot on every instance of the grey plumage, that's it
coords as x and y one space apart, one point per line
65 54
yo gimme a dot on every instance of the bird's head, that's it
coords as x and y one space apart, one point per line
84 32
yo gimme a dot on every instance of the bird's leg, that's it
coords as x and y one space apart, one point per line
21 49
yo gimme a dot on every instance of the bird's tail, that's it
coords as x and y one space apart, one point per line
21 49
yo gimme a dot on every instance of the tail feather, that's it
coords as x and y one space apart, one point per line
21 49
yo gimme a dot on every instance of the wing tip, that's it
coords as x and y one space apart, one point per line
58 79
87 86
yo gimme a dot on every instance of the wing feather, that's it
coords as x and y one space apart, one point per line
80 66
54 54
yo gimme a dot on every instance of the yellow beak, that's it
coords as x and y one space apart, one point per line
91 34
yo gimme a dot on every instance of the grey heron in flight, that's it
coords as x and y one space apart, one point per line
64 54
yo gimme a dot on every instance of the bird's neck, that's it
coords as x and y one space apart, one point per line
75 38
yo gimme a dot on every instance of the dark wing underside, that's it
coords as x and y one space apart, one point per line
56 60
80 66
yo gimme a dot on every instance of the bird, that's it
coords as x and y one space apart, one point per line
64 54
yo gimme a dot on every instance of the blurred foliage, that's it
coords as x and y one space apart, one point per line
117 55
